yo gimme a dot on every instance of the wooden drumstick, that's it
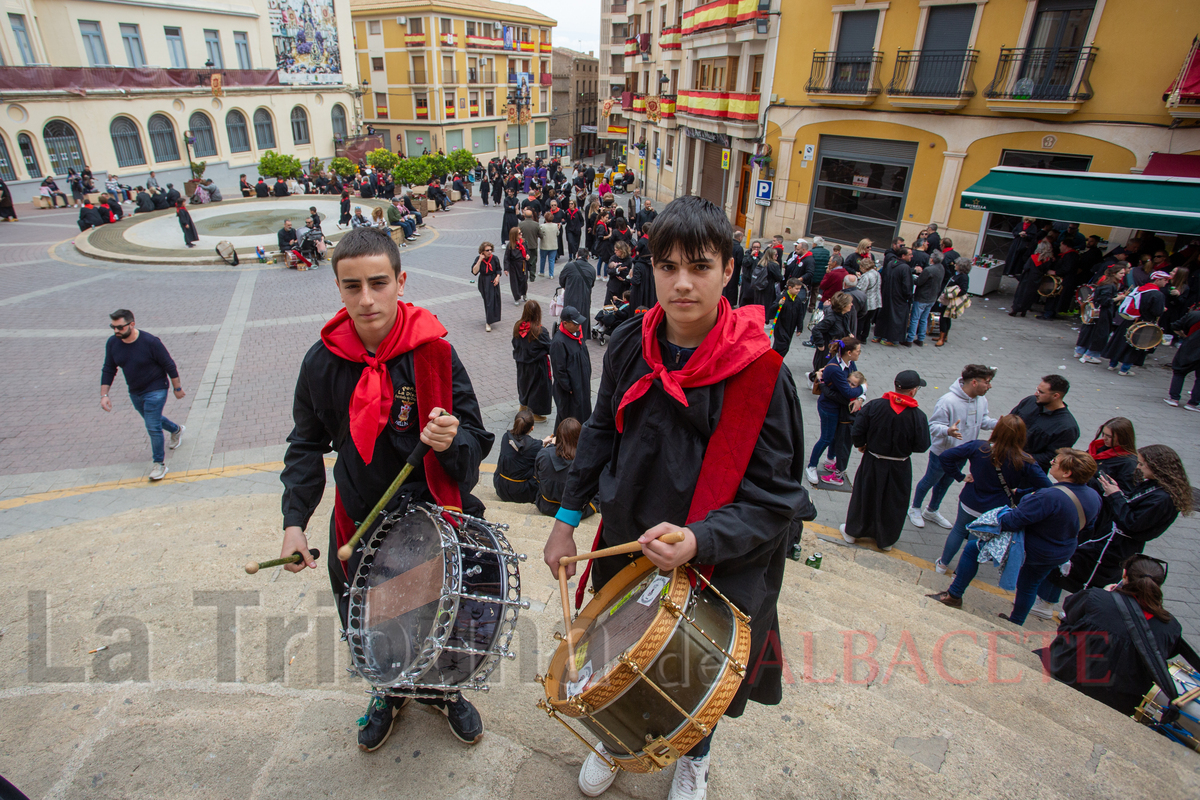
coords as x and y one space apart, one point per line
674 537
295 558
572 673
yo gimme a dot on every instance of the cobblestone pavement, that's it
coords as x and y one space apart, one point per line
238 336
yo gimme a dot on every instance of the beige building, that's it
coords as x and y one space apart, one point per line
612 127
573 126
115 86
442 75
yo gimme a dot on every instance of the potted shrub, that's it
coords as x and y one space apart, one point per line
197 167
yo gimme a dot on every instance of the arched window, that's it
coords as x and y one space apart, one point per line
202 132
6 165
235 126
126 142
63 145
338 115
29 156
299 126
162 138
264 131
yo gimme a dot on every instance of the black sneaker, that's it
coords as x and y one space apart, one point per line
464 720
375 726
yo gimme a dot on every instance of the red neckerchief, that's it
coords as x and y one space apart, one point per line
577 336
900 401
1132 304
1037 260
572 212
371 404
1193 329
521 244
732 345
947 249
523 329
1096 450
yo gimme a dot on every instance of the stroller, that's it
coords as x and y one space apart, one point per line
607 320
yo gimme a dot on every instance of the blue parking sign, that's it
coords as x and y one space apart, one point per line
762 191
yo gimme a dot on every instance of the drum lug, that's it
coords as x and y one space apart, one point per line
540 679
661 752
558 636
345 636
671 607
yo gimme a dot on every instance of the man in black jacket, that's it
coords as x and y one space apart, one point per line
281 189
261 189
1049 424
287 237
571 366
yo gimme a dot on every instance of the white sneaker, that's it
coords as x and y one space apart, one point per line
811 474
177 436
849 539
940 567
934 516
1042 610
595 776
158 472
691 779
1171 402
1093 360
916 518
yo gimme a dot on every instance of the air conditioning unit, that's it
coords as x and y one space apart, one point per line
401 20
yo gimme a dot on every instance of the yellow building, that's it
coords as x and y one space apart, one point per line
881 113
438 74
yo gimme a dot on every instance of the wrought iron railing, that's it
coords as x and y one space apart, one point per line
854 72
934 73
1043 73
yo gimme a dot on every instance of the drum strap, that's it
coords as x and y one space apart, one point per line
1147 648
729 448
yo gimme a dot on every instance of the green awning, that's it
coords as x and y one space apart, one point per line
1142 202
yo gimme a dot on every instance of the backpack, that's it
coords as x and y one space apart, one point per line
760 277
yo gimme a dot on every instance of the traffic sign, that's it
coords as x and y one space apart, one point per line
762 190
725 159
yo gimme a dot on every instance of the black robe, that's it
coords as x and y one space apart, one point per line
574 228
345 217
1187 357
571 365
642 289
577 279
647 474
509 221
532 355
896 285
1027 288
1152 305
1094 336
790 318
189 228
745 297
515 479
879 501
618 279
489 272
765 296
553 472
514 265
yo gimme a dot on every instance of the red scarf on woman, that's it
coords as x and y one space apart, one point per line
1096 450
900 401
733 344
371 403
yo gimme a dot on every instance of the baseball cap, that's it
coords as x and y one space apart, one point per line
571 314
1160 275
909 379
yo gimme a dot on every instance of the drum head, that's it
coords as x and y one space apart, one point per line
404 582
1084 293
1144 336
1049 286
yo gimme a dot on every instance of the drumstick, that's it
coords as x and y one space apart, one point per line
295 558
572 673
674 537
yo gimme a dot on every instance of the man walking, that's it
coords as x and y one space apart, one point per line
929 286
531 235
571 367
147 365
1049 424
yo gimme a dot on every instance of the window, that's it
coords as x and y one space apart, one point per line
944 50
668 156
415 25
6 166
162 139
470 28
544 100
132 39
377 63
473 99
126 142
212 42
664 17
756 73
93 44
418 69
264 130
374 27
23 44
1054 47
299 126
381 105
202 132
337 116
855 51
29 156
489 104
241 45
235 127
716 74
175 47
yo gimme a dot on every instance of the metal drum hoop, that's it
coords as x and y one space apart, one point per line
1056 289
1141 325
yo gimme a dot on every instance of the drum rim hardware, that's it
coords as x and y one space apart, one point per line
1139 325
1150 711
1056 291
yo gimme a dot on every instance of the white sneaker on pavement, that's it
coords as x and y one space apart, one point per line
811 474
1042 610
939 567
158 472
849 539
935 516
691 779
595 776
177 436
916 518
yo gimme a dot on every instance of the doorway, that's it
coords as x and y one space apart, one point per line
743 193
1055 45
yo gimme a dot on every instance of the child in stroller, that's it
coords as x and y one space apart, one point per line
610 317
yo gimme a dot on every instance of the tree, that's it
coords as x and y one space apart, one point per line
412 171
278 165
461 160
382 159
439 165
343 167
314 166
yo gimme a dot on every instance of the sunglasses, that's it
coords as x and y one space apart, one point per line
119 327
1158 561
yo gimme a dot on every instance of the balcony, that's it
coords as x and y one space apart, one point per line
447 40
545 47
422 112
450 77
667 105
937 80
418 78
485 77
450 110
525 47
474 108
718 105
1041 80
845 78
718 15
485 43
631 47
670 42
415 40
626 101
546 79
639 104
90 79
587 97
381 112
619 8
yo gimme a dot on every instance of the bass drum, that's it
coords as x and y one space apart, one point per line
1186 729
1144 335
1087 310
1050 286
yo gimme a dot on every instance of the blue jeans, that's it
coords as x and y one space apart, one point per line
548 256
602 268
935 478
150 406
918 321
958 534
829 423
1028 581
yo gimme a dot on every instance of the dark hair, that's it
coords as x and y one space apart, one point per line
972 371
581 254
1122 431
531 313
121 313
1143 581
840 300
1080 464
361 242
840 347
566 438
792 283
1111 273
1007 443
1057 383
1168 470
522 422
696 226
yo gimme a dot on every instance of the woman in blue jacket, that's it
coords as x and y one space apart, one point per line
838 400
1001 471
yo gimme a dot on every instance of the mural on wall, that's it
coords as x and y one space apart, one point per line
306 41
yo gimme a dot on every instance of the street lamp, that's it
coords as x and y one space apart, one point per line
520 101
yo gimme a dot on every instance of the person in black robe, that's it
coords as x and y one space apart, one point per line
515 264
577 280
896 286
159 198
571 366
487 271
510 219
515 479
485 188
573 225
143 201
1146 304
1067 268
765 280
261 189
1093 336
1037 266
789 315
92 217
1024 238
497 188
746 269
554 462
190 234
887 430
280 189
642 291
619 269
531 351
345 208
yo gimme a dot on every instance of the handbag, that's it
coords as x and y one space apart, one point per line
556 305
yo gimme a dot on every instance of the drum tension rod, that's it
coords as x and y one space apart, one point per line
737 612
542 704
673 608
633 665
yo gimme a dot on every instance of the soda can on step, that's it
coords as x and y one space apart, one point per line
814 561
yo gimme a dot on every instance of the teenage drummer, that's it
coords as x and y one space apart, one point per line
374 386
1146 303
666 383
